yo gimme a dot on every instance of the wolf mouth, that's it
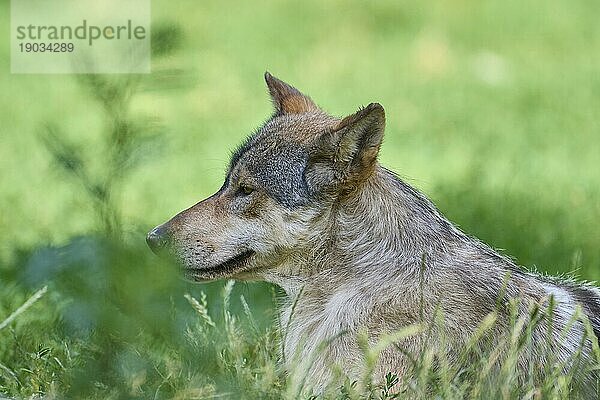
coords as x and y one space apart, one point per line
230 266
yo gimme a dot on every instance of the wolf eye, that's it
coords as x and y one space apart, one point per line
245 189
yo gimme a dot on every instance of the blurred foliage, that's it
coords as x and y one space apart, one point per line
107 336
125 136
166 38
126 141
492 110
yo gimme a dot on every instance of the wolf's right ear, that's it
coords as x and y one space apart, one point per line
347 154
286 98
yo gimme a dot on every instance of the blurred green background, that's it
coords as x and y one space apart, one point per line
492 111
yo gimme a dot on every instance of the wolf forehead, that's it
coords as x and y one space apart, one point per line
275 157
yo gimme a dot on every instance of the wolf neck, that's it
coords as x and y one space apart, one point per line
385 230
388 224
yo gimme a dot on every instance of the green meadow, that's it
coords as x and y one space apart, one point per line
493 111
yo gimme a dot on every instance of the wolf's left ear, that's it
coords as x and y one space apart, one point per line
350 149
286 98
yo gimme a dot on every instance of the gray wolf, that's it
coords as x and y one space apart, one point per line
306 206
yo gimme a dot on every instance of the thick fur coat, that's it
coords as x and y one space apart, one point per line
306 206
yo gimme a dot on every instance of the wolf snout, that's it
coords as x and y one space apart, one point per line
157 239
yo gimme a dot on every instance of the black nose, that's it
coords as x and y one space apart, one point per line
157 239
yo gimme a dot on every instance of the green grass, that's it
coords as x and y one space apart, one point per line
492 111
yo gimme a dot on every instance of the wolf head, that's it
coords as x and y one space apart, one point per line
274 207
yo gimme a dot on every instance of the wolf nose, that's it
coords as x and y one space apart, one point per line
157 239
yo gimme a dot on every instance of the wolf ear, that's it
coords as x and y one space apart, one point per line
286 98
349 151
